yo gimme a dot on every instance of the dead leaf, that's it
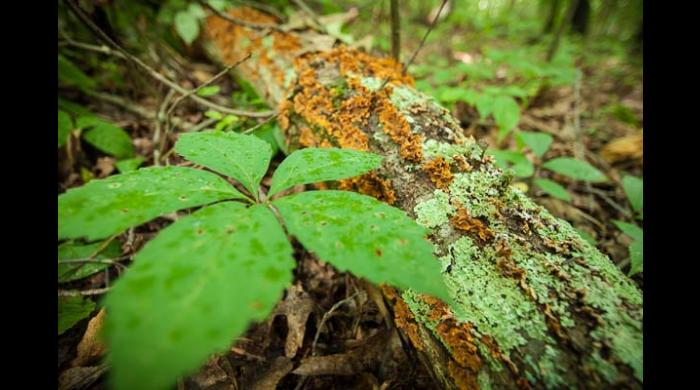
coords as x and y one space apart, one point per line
78 378
434 12
105 166
296 307
313 42
341 18
210 374
202 75
349 363
144 146
630 147
279 369
365 43
91 347
463 57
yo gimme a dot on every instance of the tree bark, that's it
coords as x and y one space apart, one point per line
536 305
579 22
551 16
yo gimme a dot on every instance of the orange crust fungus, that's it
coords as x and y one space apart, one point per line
370 184
465 222
439 172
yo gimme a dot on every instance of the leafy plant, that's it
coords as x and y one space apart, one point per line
71 310
98 132
636 248
186 16
539 144
634 189
204 278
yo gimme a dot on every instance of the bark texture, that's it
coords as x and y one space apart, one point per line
536 305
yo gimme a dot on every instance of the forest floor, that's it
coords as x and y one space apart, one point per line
329 325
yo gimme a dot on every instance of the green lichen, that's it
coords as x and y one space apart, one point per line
549 370
606 369
435 211
267 42
608 291
495 304
404 98
484 381
476 191
469 149
371 83
420 309
548 288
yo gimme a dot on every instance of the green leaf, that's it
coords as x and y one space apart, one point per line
484 104
266 133
219 5
106 136
360 234
65 125
187 26
633 231
634 189
521 166
72 108
209 90
129 165
71 310
70 74
575 169
196 11
192 290
539 143
313 165
213 115
636 250
109 206
68 272
242 157
553 188
506 114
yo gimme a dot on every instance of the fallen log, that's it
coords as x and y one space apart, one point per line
542 307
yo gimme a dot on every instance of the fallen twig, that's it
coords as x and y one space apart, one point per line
239 22
76 293
155 74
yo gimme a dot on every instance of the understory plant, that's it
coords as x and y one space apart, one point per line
200 282
539 144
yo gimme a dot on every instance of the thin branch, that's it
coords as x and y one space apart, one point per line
153 73
422 42
325 318
158 135
86 46
135 108
76 293
560 31
395 31
211 80
425 37
239 22
96 261
311 14
252 129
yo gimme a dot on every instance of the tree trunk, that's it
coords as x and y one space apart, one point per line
551 16
541 307
579 22
563 24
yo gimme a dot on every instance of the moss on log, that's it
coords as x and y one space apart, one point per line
536 305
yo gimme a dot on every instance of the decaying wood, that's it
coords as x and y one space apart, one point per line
536 306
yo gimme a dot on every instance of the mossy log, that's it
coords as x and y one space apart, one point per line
542 308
